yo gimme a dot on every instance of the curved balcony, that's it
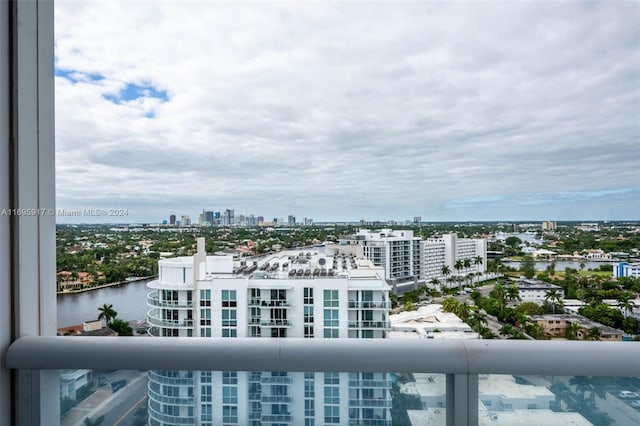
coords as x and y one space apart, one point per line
166 380
153 299
173 400
384 325
174 420
154 318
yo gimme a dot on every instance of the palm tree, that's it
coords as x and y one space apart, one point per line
553 296
477 261
446 271
498 292
592 296
571 331
509 331
513 293
107 313
477 320
467 263
458 267
594 333
582 385
625 304
470 276
462 311
435 283
450 304
552 268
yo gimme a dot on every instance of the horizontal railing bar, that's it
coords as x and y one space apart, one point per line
562 358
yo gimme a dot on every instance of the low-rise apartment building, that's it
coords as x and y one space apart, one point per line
556 325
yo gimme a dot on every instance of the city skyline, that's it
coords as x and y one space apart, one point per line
451 112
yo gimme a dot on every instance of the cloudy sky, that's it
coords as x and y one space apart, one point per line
349 111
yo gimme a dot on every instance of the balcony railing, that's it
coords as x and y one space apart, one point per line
460 360
363 383
174 420
154 300
370 403
369 324
166 380
282 399
173 400
370 422
276 323
277 380
170 323
369 305
273 418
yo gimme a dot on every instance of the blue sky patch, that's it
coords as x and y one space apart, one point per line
132 92
78 76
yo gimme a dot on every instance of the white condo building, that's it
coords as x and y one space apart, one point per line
304 294
407 259
398 252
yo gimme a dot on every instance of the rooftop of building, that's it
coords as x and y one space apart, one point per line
534 284
337 262
437 416
577 319
504 386
429 322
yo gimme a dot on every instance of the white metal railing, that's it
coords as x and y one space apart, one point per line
460 360
568 358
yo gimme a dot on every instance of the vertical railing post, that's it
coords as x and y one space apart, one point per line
462 399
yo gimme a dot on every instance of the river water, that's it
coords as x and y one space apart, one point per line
129 300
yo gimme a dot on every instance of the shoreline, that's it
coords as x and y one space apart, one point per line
116 284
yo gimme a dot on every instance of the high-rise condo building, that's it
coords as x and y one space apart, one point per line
398 252
407 259
304 294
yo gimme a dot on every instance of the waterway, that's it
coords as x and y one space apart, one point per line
129 300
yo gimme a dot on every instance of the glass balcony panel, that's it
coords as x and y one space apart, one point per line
578 400
118 395
160 397
163 397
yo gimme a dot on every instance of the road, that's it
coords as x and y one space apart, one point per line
124 403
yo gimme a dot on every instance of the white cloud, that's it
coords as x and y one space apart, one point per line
349 110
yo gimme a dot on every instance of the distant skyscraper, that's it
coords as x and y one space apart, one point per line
185 220
260 219
209 216
172 219
291 220
417 220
